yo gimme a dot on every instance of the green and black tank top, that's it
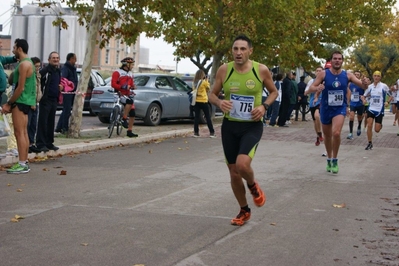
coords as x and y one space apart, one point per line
244 90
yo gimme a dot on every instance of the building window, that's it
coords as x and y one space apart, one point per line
117 57
118 42
107 56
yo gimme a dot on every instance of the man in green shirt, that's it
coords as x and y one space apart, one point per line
24 96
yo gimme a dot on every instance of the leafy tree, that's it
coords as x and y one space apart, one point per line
104 20
379 52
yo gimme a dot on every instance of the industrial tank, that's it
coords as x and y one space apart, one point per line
18 28
50 36
30 10
35 35
80 43
67 37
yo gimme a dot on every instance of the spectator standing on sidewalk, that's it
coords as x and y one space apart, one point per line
314 105
19 104
293 97
50 83
394 108
242 81
68 71
286 90
275 107
377 92
302 99
4 60
334 106
201 103
33 112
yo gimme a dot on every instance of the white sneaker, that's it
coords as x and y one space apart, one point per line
212 136
12 152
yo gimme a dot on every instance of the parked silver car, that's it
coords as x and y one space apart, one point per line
158 97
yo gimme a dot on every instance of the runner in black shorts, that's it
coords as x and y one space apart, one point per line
377 93
240 138
243 81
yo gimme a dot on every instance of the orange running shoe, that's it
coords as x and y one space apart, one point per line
241 218
258 195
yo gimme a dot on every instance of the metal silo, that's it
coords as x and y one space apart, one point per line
67 37
80 43
51 36
35 35
30 9
18 28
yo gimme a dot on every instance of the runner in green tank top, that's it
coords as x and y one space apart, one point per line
24 96
242 128
245 92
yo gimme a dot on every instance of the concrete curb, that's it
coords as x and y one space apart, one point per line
80 147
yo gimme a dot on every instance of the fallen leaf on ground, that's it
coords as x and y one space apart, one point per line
45 169
273 224
150 151
9 185
84 244
19 190
63 172
16 218
339 205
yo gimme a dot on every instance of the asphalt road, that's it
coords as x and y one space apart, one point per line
169 202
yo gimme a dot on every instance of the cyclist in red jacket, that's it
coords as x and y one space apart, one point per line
122 81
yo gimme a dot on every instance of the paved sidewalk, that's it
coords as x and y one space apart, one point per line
94 139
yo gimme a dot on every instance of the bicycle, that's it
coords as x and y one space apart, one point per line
116 116
306 110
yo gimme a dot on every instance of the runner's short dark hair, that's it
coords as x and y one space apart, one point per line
244 37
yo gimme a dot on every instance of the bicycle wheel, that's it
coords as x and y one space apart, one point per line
119 126
113 120
306 110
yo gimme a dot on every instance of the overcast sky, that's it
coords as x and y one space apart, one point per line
161 53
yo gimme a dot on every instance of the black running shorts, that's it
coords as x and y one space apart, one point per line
240 138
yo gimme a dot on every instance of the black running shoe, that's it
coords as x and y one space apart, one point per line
369 147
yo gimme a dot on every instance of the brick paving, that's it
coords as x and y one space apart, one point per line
304 132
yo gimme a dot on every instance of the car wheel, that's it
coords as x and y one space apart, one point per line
153 116
104 119
91 112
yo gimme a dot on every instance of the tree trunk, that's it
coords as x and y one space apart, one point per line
94 27
216 63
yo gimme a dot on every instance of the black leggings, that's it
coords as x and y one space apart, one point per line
205 108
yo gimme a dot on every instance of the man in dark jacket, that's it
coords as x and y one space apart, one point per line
286 90
302 99
68 71
51 87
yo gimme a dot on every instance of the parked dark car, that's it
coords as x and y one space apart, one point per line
96 80
158 97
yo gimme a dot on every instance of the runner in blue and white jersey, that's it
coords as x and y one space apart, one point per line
377 92
356 106
334 105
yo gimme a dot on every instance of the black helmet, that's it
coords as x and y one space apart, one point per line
127 60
